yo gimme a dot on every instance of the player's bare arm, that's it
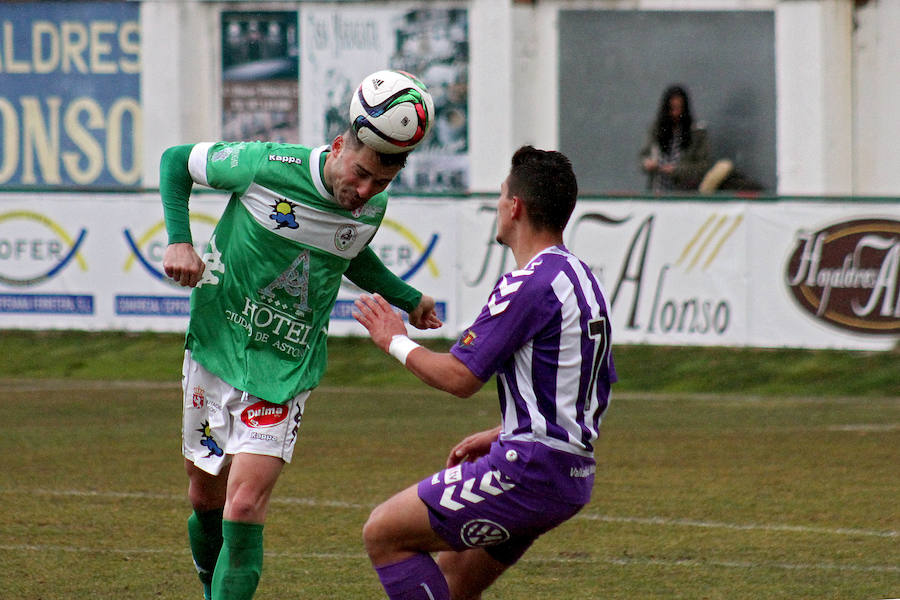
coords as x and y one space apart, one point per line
182 263
440 370
424 315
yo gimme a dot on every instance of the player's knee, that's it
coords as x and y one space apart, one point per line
375 538
204 497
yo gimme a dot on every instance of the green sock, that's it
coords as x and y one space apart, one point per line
240 562
205 535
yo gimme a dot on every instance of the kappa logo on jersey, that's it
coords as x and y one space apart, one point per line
206 440
469 493
288 160
283 215
483 532
345 236
199 397
264 414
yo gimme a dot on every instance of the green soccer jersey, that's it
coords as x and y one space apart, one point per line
259 315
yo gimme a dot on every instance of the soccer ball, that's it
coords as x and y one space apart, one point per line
391 111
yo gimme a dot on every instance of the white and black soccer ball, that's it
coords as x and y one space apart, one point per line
391 111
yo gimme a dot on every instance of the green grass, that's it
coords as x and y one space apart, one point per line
721 474
746 371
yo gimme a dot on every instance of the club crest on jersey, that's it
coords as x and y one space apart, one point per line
345 236
283 215
468 338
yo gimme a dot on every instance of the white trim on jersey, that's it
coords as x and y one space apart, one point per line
327 231
315 156
197 162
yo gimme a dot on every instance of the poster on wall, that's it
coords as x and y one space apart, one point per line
70 111
341 46
260 99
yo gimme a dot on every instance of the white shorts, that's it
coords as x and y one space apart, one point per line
220 421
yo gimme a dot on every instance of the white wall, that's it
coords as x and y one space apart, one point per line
876 84
813 97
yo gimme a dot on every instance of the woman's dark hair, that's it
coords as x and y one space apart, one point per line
665 125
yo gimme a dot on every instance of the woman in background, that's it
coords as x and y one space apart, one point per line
676 154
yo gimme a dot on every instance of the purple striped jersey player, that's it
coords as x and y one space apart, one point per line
550 313
545 333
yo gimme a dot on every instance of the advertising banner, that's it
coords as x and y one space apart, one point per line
70 109
739 273
94 262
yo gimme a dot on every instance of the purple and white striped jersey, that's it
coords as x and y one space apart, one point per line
545 332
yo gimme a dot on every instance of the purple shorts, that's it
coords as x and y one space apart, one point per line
503 501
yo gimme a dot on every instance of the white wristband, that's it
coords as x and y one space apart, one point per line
400 348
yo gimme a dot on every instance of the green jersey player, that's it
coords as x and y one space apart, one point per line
298 220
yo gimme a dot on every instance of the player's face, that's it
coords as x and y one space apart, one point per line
358 175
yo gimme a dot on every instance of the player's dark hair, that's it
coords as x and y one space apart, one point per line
664 127
386 160
545 182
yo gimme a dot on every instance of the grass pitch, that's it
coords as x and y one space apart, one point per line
698 495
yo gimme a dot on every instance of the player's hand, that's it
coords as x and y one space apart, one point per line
379 318
182 263
424 315
477 444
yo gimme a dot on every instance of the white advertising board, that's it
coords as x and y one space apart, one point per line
811 274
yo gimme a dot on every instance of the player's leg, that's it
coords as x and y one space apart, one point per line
250 483
470 572
206 465
398 538
207 496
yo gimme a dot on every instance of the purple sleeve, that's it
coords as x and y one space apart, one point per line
515 311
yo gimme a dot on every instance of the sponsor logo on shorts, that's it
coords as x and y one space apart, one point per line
207 441
583 471
264 414
483 532
472 491
199 397
265 437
